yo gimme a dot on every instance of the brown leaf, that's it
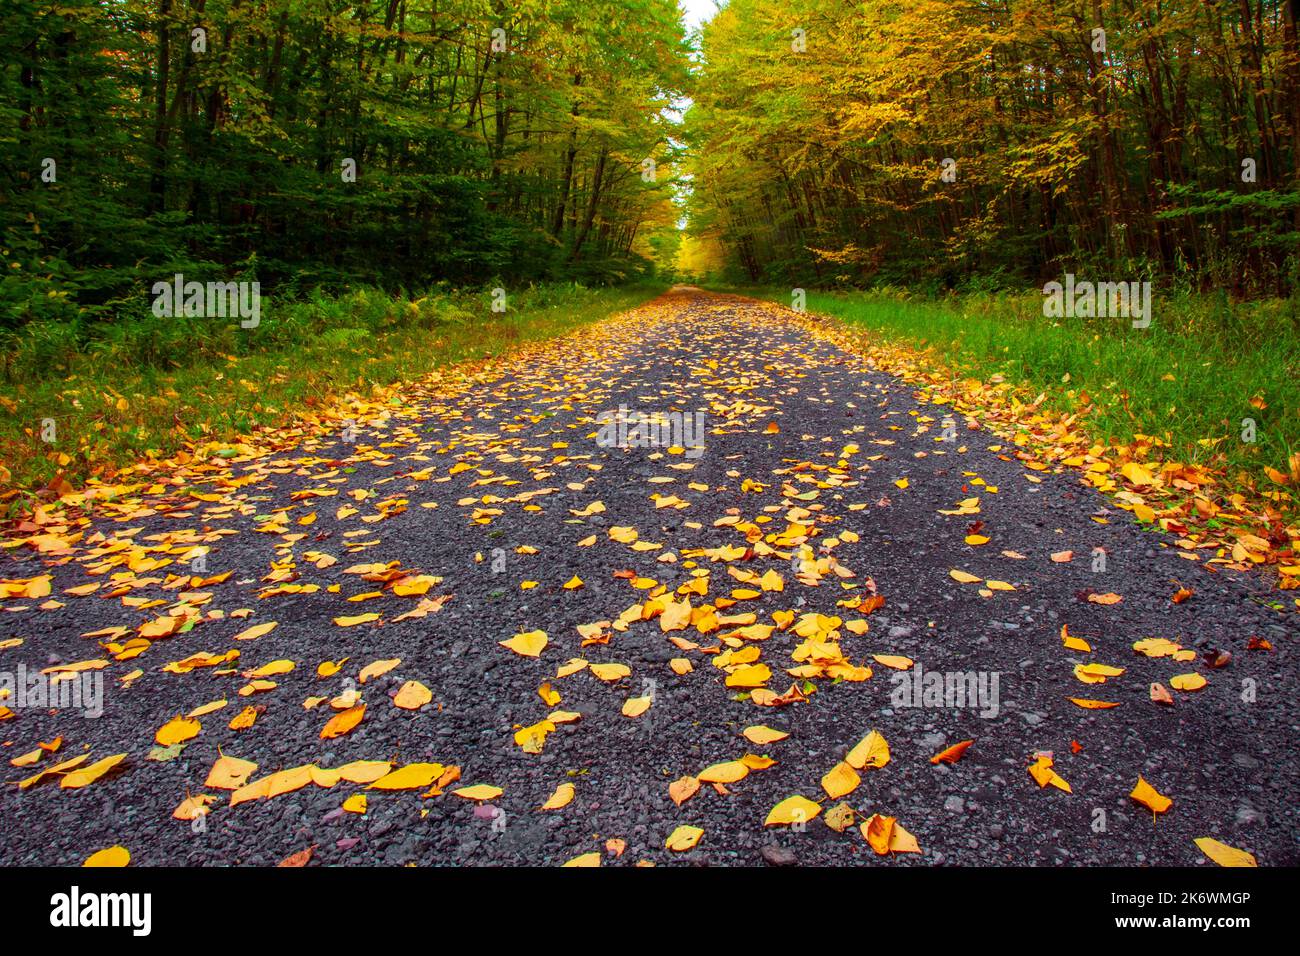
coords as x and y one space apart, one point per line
300 858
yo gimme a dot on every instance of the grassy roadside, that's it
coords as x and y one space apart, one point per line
1191 379
163 384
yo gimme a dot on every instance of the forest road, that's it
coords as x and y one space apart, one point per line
744 518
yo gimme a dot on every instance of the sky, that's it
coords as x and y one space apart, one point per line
695 12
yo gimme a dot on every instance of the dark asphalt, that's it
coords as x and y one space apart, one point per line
1228 760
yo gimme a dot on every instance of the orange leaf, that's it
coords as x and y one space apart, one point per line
952 754
343 722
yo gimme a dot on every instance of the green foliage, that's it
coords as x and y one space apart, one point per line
1202 366
227 157
141 387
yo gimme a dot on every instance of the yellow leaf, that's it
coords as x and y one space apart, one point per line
244 719
872 751
1074 643
1096 673
528 644
1105 599
355 620
328 669
562 797
1136 474
356 803
792 810
1087 704
878 831
192 808
574 665
762 735
113 856
531 739
684 838
206 709
897 662
412 696
1223 854
377 668
480 791
256 631
1187 682
229 773
364 771
752 675
683 789
1149 797
272 669
413 776
177 730
1043 774
88 775
636 706
610 672
729 772
840 780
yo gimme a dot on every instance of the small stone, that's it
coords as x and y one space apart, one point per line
778 855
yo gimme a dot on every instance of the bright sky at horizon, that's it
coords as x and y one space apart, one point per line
695 12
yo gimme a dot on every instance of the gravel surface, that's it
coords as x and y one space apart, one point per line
781 409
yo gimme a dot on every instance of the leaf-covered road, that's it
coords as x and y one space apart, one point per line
795 573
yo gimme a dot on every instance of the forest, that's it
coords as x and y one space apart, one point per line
936 144
941 144
409 183
320 143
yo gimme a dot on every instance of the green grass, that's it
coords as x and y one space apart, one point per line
145 387
1188 379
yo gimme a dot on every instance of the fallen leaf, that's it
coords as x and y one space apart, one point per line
343 722
1223 854
795 810
562 797
684 838
952 754
1149 797
113 856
